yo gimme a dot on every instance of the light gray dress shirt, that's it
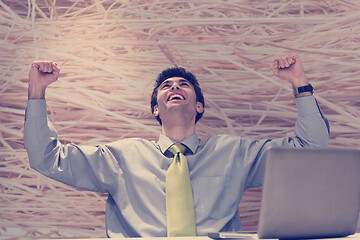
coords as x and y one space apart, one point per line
132 171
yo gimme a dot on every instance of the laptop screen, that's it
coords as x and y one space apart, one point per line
310 193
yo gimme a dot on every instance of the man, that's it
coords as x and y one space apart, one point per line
134 171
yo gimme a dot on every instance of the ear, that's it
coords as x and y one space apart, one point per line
156 111
199 107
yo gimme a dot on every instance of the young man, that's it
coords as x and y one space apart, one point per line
134 171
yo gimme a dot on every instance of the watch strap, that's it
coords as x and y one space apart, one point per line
307 88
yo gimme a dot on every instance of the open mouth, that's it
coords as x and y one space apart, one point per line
175 97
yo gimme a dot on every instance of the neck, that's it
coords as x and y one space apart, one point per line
178 131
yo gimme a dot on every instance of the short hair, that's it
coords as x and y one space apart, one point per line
177 72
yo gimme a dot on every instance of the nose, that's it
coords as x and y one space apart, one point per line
175 86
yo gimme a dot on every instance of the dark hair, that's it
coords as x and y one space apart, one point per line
177 72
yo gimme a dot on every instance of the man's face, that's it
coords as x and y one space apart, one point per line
177 94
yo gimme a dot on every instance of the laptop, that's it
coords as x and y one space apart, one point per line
307 193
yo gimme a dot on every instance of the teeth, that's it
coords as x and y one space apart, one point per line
172 97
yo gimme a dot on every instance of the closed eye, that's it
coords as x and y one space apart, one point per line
166 85
184 84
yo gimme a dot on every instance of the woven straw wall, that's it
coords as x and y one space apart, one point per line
110 52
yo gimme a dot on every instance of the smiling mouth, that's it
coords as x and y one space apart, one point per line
176 97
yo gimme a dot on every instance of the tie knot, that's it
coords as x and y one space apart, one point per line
177 148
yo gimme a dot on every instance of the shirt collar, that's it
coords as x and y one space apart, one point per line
191 142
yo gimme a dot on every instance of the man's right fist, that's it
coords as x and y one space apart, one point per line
41 75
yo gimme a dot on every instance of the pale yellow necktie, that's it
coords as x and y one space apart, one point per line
179 200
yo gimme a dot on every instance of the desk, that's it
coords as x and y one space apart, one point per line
356 236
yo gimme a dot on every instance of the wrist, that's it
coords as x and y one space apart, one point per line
299 81
302 91
36 92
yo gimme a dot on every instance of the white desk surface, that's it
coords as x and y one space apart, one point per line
351 237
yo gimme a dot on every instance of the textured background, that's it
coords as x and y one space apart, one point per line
110 52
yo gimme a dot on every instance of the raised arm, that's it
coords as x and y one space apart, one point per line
79 166
311 128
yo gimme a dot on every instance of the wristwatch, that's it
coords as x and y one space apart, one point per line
307 88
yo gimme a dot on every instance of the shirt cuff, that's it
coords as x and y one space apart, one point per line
36 108
306 105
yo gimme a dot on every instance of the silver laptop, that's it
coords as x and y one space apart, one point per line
309 193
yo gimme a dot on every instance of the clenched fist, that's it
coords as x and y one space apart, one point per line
290 68
41 75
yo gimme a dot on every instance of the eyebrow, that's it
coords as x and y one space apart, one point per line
180 81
